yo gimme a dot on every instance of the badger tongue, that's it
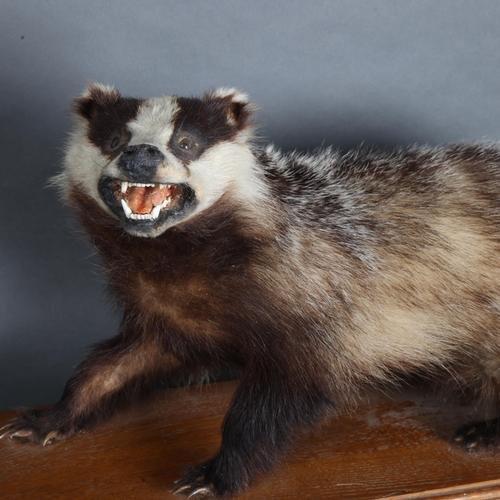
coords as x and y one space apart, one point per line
138 199
142 200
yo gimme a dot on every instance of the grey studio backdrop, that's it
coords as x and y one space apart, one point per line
386 73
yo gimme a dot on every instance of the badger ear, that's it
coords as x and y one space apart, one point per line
95 97
238 107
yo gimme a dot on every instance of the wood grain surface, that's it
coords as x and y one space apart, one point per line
390 449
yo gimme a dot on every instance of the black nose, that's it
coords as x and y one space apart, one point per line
139 163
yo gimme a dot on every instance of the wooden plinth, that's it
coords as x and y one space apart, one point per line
392 450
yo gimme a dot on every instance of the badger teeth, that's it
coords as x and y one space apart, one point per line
156 210
155 213
125 185
127 209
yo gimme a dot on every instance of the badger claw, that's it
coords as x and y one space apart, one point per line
37 426
50 436
11 431
6 433
180 489
192 491
204 492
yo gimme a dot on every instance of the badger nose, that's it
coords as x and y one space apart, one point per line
140 162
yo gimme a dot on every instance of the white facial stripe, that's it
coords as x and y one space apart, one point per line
154 123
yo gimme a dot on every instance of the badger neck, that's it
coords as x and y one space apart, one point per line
219 238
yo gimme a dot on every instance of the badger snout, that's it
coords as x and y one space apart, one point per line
139 163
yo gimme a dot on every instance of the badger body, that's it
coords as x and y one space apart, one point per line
316 275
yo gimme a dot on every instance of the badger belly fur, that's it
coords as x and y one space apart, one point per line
316 275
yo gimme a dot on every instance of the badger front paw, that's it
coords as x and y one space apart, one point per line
38 426
219 477
195 484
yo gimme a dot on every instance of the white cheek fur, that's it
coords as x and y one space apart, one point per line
84 164
228 166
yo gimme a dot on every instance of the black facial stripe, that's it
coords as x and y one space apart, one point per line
108 127
197 141
107 114
204 122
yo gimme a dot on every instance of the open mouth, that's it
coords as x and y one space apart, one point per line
146 203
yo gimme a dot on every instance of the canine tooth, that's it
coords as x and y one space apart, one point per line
127 209
156 212
124 187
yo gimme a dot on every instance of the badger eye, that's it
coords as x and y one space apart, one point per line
186 143
115 143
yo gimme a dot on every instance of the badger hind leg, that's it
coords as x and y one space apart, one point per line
479 436
483 435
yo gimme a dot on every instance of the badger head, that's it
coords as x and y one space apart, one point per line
154 163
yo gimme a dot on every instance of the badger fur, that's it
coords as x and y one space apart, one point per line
316 275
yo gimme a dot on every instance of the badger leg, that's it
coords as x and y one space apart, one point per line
483 435
479 436
117 370
258 428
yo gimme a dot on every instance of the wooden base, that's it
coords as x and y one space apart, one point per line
393 450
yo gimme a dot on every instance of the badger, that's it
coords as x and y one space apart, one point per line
316 276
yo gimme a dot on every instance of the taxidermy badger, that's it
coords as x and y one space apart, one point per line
317 275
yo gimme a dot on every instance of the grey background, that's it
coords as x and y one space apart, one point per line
386 73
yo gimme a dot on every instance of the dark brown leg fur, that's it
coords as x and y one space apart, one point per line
267 411
117 370
479 436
